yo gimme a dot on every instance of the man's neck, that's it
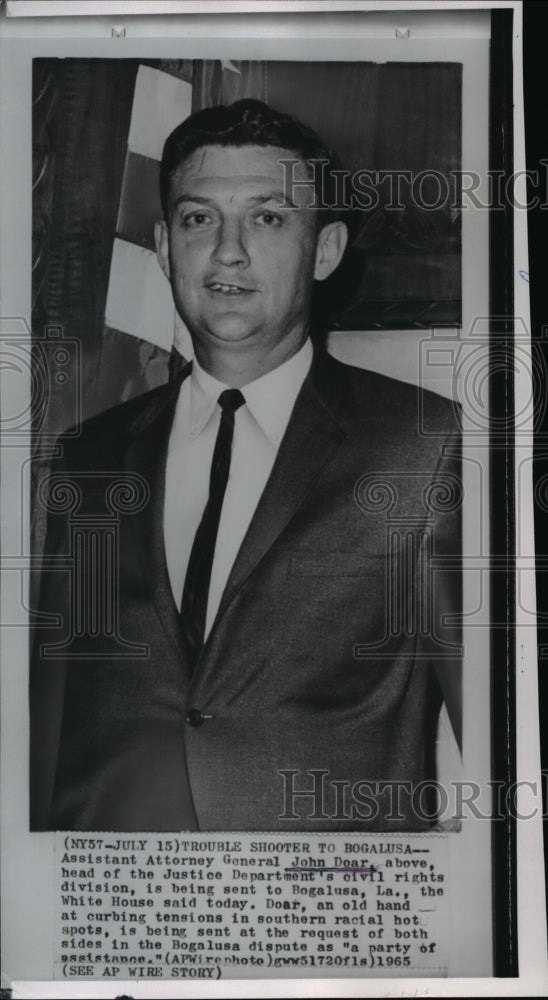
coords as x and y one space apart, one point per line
236 369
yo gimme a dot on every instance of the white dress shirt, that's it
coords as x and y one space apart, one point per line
258 430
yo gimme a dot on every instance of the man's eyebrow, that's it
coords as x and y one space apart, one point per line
259 199
191 197
280 197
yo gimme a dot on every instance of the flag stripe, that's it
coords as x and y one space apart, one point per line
139 297
139 201
161 102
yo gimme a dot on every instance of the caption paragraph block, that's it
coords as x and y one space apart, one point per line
206 906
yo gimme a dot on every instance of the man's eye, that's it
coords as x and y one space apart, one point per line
269 219
196 220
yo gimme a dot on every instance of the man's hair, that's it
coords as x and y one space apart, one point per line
252 123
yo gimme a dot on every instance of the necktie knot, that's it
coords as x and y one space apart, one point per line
230 400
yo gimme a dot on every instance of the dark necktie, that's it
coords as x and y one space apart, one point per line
198 575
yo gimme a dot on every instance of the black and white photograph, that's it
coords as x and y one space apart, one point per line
257 428
247 568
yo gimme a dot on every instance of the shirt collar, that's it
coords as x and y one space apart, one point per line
204 393
270 398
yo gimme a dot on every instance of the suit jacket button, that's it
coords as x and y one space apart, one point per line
195 717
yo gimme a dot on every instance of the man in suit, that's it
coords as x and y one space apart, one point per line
240 625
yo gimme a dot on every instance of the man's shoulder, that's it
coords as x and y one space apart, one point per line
371 396
107 435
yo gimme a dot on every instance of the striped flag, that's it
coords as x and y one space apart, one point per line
139 300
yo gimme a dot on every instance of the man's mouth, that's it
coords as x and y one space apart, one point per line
226 289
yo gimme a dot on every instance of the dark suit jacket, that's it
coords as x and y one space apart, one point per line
324 666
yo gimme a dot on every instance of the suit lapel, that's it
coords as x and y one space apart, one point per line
147 455
313 435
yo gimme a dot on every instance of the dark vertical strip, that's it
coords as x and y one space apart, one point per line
535 26
501 277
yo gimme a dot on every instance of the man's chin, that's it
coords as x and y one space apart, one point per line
231 329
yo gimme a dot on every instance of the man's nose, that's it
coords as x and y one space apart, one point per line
230 248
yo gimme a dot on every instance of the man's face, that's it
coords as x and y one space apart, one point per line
240 265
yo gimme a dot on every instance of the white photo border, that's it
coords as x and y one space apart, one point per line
20 879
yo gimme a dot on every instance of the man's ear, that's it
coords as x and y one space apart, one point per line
161 237
329 249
